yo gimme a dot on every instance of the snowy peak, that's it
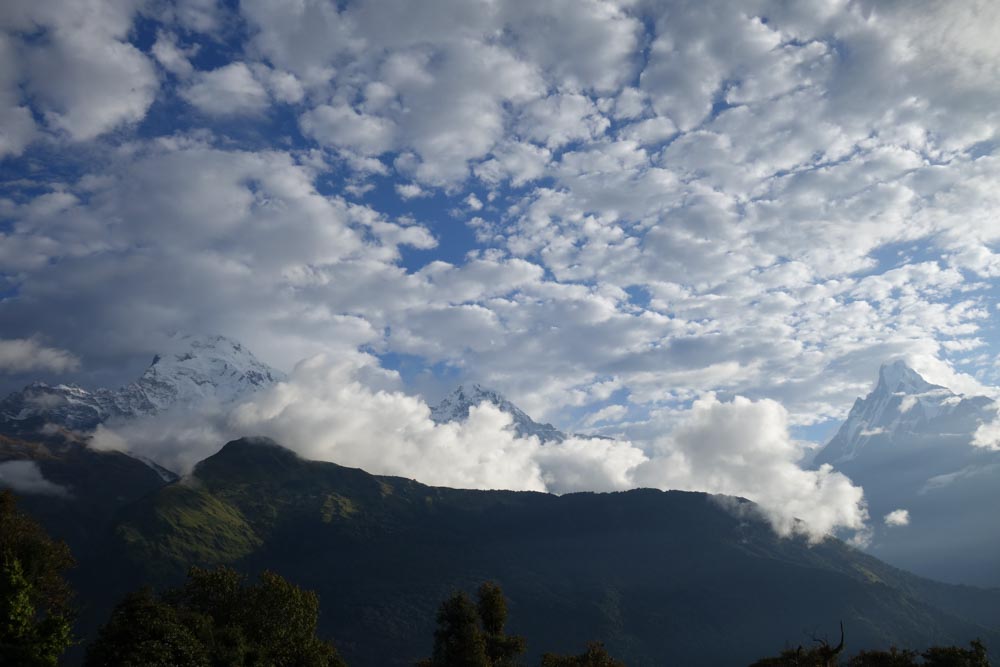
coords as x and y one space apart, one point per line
902 409
190 371
202 368
456 406
897 377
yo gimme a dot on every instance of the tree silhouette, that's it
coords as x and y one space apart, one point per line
458 640
894 657
594 656
215 619
953 656
146 631
821 655
471 635
936 656
501 649
35 614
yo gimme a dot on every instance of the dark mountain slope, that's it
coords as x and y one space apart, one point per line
663 578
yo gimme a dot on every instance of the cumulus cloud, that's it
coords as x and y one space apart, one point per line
80 69
743 448
231 89
987 435
898 517
26 477
19 355
351 411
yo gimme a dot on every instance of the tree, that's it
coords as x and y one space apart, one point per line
952 656
458 640
146 631
894 657
216 619
501 649
821 655
35 612
936 656
594 656
473 635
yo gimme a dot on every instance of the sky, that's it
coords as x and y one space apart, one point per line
626 216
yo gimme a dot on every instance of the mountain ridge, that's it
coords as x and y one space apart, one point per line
672 567
194 369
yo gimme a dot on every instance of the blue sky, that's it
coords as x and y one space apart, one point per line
608 210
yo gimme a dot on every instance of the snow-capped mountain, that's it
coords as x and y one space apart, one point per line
908 444
192 370
455 407
904 411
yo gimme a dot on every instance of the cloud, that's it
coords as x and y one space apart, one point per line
897 518
26 477
231 89
83 75
351 411
987 435
19 355
344 127
743 448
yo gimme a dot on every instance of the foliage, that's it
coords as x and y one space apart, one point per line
894 657
820 655
501 649
470 635
458 640
595 656
953 656
215 619
936 656
35 614
473 636
146 631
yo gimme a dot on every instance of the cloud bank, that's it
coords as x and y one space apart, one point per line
25 354
26 477
348 411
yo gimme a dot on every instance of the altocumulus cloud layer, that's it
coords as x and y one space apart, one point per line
630 216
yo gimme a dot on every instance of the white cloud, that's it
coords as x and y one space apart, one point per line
231 89
19 355
605 414
897 518
987 435
344 127
83 75
742 448
410 191
26 477
170 56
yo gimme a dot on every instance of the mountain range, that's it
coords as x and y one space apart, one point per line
663 578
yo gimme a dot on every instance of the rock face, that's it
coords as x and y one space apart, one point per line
192 371
909 444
